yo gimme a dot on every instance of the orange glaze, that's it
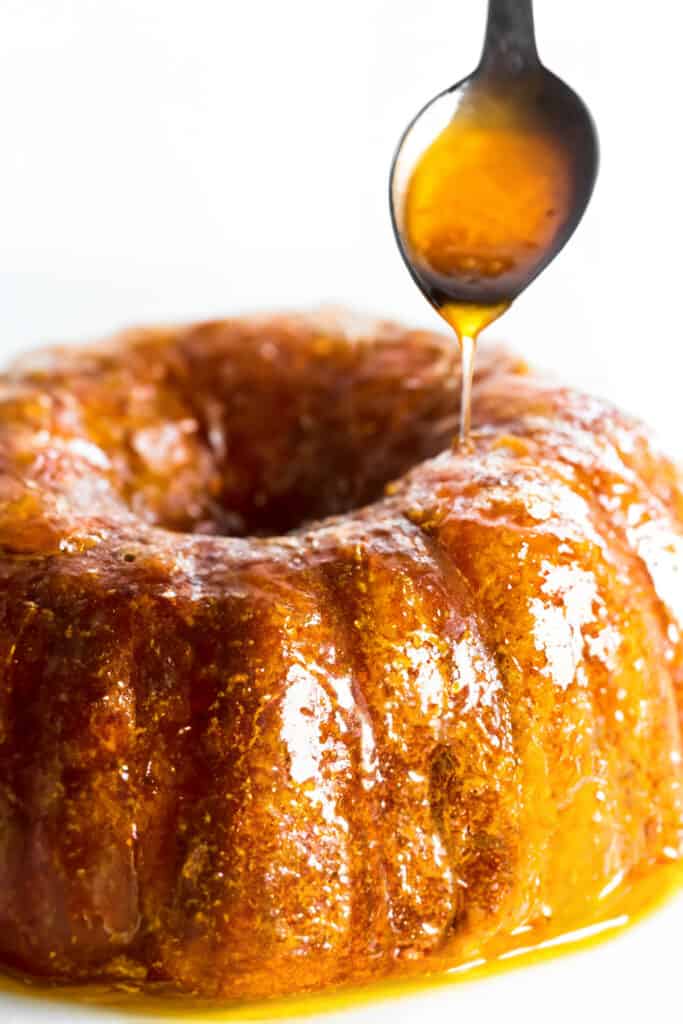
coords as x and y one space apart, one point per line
246 754
626 904
488 196
484 206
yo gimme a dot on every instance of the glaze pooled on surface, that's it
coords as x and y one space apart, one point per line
248 750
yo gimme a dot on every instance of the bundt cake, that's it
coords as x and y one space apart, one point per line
293 693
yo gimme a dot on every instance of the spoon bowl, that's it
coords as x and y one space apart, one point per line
492 177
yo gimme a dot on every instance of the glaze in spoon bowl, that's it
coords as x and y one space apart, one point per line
492 177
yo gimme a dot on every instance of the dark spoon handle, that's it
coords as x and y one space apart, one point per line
510 42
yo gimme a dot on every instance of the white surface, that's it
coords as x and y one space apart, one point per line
165 159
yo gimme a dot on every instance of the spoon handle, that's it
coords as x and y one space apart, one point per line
510 42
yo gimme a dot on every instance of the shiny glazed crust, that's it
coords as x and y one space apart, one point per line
249 750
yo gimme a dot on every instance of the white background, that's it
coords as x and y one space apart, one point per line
166 159
177 158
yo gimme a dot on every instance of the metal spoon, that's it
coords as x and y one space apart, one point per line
491 179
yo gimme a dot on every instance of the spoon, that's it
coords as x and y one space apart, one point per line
490 180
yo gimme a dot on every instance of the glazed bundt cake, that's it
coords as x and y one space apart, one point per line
295 694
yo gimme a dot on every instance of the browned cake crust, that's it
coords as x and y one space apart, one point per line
250 761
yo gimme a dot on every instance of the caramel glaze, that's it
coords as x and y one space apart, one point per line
342 750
